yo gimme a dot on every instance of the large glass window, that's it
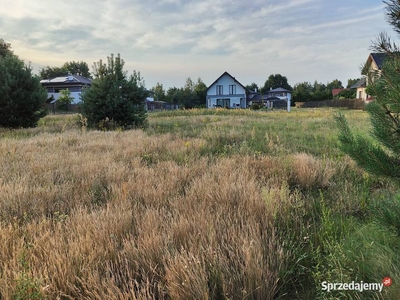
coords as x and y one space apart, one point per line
232 89
224 102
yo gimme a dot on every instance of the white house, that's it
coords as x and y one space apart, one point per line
74 83
226 91
372 66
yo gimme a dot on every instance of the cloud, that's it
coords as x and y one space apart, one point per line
184 38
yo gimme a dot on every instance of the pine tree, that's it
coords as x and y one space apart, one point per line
380 154
114 98
22 98
5 48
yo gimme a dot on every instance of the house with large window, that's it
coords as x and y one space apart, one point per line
227 92
74 83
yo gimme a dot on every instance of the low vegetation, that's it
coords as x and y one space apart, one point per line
202 204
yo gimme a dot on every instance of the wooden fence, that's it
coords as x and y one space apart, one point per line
348 103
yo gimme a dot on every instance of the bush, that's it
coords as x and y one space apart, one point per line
22 98
65 100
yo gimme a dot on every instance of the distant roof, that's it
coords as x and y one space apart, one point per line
279 90
337 91
67 79
259 97
226 73
379 58
361 83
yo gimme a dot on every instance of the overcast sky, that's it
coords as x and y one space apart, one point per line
170 40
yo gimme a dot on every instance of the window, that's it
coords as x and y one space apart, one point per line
232 89
220 89
223 102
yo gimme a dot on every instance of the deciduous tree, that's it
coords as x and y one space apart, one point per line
75 68
253 87
276 81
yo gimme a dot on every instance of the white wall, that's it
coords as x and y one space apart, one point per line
236 100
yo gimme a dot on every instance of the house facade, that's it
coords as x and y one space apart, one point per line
274 98
227 92
373 65
360 87
74 83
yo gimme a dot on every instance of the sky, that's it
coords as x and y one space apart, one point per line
168 41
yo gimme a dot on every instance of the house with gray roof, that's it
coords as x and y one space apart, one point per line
274 98
226 91
373 65
74 83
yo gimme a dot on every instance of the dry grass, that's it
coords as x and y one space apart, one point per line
111 215
124 215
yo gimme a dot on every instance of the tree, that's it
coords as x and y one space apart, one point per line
75 68
174 95
321 92
159 92
200 90
305 91
335 84
64 100
51 72
380 153
193 94
276 81
22 98
302 92
114 98
253 87
347 94
5 48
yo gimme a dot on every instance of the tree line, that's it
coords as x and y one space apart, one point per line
115 95
193 93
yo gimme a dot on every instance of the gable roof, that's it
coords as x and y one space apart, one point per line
378 58
360 83
223 74
67 79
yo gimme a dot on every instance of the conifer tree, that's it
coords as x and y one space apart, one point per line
380 154
115 98
22 98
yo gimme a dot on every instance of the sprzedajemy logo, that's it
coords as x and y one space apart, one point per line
356 286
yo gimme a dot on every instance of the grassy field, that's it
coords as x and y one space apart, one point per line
203 204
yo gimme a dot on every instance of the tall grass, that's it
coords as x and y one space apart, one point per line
204 204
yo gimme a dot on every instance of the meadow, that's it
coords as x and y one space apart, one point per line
202 204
